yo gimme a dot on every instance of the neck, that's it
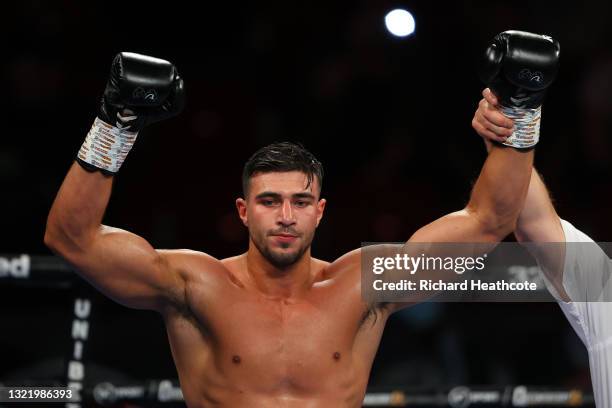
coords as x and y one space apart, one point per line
292 281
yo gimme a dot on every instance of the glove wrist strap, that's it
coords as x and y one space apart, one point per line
106 146
526 126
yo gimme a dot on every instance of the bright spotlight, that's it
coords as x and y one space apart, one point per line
400 22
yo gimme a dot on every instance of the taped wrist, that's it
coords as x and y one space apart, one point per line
105 147
526 126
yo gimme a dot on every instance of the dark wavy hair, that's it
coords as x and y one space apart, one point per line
281 157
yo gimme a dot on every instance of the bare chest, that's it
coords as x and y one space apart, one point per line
281 346
290 335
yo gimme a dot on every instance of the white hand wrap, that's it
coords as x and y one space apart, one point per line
106 146
526 126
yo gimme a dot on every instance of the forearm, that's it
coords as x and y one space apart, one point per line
537 224
538 220
537 211
77 211
499 193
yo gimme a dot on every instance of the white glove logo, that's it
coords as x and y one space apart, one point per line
535 76
146 94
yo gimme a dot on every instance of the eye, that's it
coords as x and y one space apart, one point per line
268 203
301 203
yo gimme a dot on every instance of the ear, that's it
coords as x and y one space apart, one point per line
241 206
320 208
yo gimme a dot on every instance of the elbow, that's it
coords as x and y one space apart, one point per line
504 227
52 231
520 236
66 233
62 240
496 226
51 238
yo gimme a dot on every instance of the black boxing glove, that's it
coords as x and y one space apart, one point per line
141 90
518 67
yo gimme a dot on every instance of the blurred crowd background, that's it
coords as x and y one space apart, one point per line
388 117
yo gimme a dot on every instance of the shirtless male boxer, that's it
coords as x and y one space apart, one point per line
578 274
272 327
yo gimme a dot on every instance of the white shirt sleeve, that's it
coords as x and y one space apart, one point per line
586 279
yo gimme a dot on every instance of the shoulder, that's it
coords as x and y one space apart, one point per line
200 276
350 259
347 274
193 266
184 257
347 267
351 262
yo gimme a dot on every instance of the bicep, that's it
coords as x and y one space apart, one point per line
459 226
457 236
126 268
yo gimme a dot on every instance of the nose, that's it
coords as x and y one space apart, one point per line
286 214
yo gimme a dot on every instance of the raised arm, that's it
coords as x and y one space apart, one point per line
120 264
519 67
494 205
538 222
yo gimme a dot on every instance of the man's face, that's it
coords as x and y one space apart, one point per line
281 214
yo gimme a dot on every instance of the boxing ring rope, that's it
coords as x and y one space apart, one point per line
24 270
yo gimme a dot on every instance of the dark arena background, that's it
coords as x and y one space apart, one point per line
389 117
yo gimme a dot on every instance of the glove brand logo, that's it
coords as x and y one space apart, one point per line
15 268
145 94
122 122
519 100
535 76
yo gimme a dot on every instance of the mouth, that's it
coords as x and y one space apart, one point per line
285 238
